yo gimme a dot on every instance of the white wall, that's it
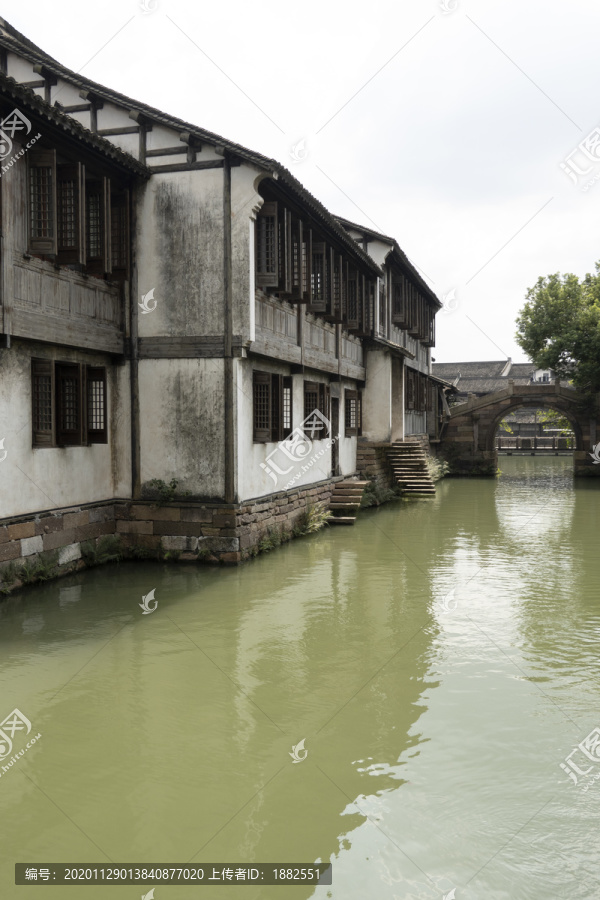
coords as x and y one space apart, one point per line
33 480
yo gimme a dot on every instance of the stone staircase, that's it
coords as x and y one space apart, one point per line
345 500
408 460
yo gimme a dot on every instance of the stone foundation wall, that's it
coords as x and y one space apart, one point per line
372 463
58 542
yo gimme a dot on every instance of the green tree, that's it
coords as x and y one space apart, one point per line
559 327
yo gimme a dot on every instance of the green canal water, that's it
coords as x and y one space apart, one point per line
439 660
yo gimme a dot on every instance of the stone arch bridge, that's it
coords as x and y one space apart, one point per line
468 440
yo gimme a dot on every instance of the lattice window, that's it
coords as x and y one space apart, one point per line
267 246
67 218
42 395
94 225
96 406
287 406
41 198
352 413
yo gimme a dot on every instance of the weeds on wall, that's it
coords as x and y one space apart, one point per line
162 492
374 494
108 549
40 569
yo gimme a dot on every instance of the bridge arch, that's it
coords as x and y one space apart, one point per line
563 408
468 441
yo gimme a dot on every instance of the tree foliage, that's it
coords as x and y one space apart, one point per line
559 327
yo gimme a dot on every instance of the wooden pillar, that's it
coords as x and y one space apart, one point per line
229 424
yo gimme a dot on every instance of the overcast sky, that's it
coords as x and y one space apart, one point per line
444 127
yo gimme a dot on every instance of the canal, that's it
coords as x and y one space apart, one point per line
439 661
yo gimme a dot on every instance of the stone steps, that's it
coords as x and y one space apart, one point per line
345 500
408 461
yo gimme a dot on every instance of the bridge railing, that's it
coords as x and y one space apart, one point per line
516 442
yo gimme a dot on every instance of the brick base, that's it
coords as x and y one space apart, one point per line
61 541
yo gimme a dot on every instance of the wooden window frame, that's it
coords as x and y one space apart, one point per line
352 413
276 386
410 394
42 245
58 372
70 204
267 246
321 402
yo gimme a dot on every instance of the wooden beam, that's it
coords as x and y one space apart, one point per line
77 107
185 167
166 151
128 129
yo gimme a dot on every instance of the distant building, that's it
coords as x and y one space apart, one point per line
488 377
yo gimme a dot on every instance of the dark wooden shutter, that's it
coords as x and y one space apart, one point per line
307 249
324 408
410 388
318 302
285 251
70 204
42 402
276 407
334 286
350 420
42 201
382 312
96 405
398 300
119 234
297 262
352 311
68 404
97 202
262 407
413 324
267 246
287 407
311 403
358 413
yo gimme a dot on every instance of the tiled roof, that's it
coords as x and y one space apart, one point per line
13 40
29 101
